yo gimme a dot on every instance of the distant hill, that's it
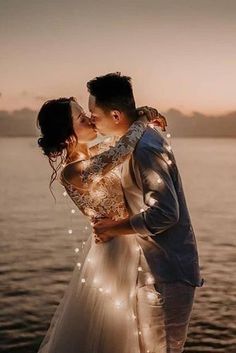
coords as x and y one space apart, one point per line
200 125
18 123
23 123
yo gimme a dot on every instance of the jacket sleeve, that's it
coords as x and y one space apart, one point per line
156 170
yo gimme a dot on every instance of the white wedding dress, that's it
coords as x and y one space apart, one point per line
100 311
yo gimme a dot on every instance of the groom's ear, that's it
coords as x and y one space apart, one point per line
116 116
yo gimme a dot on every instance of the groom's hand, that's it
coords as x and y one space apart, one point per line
107 229
102 230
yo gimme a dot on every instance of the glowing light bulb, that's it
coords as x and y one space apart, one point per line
96 178
118 304
140 268
64 193
151 296
76 250
152 201
150 280
84 243
70 231
78 264
168 135
72 211
169 162
159 180
131 295
83 280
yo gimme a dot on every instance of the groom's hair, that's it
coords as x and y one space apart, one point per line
114 92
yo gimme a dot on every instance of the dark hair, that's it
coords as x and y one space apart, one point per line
114 91
56 124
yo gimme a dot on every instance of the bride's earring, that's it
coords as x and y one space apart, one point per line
116 118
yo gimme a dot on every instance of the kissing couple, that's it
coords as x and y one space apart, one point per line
133 287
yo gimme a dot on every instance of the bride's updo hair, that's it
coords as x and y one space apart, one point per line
57 134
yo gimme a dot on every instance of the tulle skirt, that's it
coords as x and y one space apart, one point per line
108 304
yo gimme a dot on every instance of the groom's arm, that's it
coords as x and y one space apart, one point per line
157 172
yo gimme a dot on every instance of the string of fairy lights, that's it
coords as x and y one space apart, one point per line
79 251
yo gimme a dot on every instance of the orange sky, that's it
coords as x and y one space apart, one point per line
180 54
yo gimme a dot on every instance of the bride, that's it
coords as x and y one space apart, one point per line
99 312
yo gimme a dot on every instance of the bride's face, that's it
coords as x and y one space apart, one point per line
83 128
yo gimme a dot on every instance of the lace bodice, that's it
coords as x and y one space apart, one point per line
105 200
102 195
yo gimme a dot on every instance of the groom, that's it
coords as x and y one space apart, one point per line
157 207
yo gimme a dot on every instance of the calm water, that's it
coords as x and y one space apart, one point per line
37 253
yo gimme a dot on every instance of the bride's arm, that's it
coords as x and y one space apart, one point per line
160 121
84 174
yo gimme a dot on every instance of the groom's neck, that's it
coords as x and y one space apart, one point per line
124 125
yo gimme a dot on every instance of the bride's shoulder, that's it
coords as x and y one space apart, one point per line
72 172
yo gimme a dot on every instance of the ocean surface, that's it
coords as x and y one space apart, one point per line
37 254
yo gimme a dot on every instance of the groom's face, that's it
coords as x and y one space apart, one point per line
103 120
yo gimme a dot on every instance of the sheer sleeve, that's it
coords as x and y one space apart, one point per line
85 173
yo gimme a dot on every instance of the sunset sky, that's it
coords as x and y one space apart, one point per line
179 53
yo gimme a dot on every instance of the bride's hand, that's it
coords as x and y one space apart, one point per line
101 230
153 116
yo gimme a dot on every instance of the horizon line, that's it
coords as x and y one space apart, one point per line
189 114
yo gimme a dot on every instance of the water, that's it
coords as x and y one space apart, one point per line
37 253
